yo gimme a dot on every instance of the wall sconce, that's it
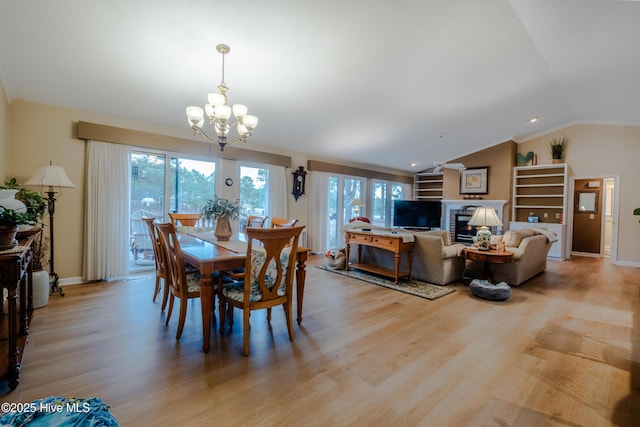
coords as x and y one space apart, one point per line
299 177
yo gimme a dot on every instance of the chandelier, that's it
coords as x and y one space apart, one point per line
219 114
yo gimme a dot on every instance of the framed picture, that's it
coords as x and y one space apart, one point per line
474 180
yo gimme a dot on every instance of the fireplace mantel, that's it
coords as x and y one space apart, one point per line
461 204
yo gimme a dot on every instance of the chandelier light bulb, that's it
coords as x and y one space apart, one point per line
195 115
250 122
239 110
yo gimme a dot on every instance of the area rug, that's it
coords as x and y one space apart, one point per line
58 411
413 287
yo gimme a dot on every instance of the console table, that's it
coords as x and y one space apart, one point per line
15 274
396 243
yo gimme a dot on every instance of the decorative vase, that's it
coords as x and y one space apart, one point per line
223 228
8 201
40 288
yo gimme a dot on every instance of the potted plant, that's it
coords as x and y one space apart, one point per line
36 208
223 211
9 221
636 211
557 147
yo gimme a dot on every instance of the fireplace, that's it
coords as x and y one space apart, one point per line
463 232
457 213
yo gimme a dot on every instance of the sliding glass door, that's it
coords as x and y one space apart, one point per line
383 193
191 184
161 184
342 191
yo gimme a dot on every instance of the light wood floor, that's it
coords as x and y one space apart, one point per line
564 350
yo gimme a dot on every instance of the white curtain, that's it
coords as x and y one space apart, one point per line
106 231
278 191
318 208
407 194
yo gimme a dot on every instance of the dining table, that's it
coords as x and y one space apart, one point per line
204 252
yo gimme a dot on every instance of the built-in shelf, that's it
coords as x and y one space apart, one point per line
427 186
541 191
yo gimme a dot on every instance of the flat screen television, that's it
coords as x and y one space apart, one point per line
417 213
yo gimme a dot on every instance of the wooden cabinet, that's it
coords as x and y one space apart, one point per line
427 186
16 278
541 191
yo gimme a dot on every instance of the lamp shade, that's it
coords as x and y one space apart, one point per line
53 176
485 216
356 202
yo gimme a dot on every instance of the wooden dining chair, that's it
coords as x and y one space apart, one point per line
283 222
182 286
185 219
268 277
255 221
161 268
238 273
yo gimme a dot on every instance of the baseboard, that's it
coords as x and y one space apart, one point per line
628 263
70 281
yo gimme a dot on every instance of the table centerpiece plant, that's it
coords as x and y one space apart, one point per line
223 211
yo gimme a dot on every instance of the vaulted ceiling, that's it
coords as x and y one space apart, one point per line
380 82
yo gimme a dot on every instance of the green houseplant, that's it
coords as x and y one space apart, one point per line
36 208
35 203
9 222
557 147
223 211
636 211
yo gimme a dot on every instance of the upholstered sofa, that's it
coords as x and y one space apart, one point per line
435 259
530 248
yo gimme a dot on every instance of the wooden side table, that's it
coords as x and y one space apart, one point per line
487 258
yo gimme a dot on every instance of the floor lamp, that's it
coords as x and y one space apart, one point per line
51 177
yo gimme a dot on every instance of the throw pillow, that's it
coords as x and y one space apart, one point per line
513 238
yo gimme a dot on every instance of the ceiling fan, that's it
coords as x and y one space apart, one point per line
441 164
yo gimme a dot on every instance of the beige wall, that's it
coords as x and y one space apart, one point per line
42 133
595 151
4 133
501 160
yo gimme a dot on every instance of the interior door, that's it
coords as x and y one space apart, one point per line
587 216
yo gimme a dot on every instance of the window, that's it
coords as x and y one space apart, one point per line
254 190
157 182
340 209
147 185
343 190
192 183
352 191
382 195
